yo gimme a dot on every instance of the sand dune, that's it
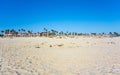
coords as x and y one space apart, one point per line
55 56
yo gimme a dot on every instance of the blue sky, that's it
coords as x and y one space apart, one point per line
67 15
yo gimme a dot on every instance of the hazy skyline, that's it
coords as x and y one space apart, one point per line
63 15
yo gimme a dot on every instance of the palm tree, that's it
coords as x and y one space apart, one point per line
110 34
22 31
116 34
52 32
61 33
2 31
56 32
19 30
29 32
76 33
46 31
66 33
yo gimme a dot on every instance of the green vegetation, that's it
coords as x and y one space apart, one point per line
52 33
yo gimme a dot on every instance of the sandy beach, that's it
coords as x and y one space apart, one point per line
60 56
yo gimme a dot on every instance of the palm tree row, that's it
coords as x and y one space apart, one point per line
52 32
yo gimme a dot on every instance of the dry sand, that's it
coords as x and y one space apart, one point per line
55 56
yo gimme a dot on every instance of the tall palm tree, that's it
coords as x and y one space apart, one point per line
56 32
76 33
52 32
116 34
2 31
19 30
61 33
67 33
22 31
110 34
29 32
46 31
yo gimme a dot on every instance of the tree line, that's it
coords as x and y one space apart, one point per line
50 33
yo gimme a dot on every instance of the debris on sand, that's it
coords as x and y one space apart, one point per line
60 45
37 47
50 46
